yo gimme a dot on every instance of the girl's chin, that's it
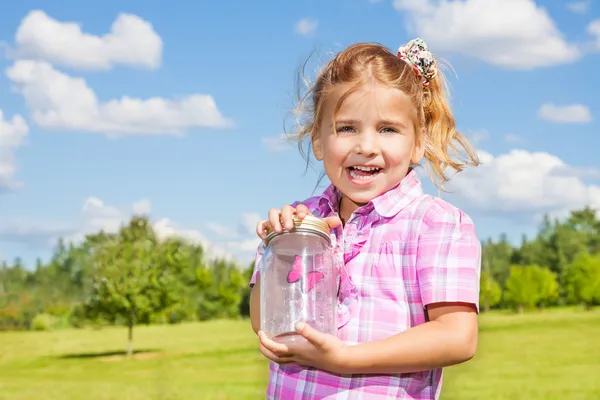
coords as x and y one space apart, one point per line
361 198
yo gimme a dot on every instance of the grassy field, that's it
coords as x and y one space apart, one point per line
550 355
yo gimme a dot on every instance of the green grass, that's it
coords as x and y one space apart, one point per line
554 354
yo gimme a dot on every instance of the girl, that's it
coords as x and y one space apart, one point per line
409 280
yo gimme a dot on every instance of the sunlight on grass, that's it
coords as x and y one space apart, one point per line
548 355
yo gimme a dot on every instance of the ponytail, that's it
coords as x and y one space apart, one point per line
443 143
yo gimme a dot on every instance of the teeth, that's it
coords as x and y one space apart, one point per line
367 168
354 175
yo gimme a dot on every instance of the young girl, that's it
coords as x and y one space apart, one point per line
409 281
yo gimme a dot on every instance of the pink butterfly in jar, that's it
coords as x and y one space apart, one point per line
297 271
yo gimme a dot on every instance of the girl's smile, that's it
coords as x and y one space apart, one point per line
363 174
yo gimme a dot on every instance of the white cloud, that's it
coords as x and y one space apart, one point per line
12 136
593 29
565 114
477 137
579 7
249 222
306 27
521 183
277 144
97 215
246 247
514 34
512 138
221 230
132 41
58 101
34 233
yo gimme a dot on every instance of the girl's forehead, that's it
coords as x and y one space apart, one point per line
367 97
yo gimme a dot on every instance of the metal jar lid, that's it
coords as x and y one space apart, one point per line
309 224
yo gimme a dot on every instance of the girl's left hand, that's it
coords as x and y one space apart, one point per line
321 350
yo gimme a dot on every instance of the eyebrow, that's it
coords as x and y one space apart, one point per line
383 122
345 122
393 122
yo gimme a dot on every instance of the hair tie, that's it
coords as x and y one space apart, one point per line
416 54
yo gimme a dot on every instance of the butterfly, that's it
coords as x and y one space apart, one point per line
295 275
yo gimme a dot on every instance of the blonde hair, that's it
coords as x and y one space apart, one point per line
359 63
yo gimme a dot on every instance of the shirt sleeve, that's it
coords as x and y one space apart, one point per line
449 258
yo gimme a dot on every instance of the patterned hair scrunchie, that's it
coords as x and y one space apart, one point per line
416 54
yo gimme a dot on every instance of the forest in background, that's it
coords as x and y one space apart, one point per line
131 277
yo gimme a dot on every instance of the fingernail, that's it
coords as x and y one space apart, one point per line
299 326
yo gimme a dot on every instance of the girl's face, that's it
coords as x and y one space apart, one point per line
368 148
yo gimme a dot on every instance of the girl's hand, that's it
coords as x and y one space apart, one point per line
322 351
283 219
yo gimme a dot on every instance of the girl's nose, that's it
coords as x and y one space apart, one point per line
368 144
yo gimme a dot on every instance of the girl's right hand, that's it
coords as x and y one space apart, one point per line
283 219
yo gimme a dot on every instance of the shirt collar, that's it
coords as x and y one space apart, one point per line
388 204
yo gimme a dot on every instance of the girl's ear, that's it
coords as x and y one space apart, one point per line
419 148
317 146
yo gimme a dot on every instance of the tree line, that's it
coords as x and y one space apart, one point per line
559 266
131 277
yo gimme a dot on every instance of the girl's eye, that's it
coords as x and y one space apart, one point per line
344 128
389 130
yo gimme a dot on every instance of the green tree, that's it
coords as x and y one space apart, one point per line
499 256
208 301
231 292
582 280
529 286
490 292
135 276
246 291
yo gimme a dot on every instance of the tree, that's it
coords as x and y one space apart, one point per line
135 276
221 287
498 258
529 286
208 305
246 291
490 292
582 280
231 292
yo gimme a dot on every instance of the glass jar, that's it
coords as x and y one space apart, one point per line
298 281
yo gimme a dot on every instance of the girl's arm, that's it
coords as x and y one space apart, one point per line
450 337
255 305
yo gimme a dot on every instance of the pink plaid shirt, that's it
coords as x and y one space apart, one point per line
400 252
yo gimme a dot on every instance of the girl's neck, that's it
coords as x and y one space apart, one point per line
347 207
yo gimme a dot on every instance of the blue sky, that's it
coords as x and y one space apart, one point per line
205 160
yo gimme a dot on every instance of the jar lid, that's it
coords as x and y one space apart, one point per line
309 223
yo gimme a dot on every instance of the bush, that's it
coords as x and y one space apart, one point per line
43 322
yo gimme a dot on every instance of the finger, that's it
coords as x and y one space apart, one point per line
302 211
315 337
287 214
261 228
274 219
273 357
279 349
333 221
